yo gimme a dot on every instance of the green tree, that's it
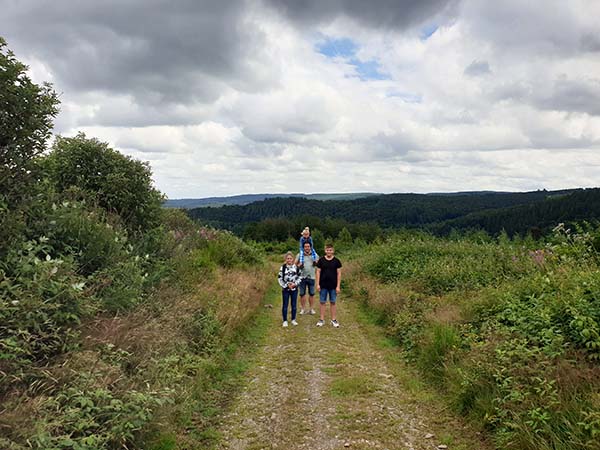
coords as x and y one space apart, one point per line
26 114
118 183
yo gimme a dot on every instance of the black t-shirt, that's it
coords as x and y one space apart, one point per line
328 278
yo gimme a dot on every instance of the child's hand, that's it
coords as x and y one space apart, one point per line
337 290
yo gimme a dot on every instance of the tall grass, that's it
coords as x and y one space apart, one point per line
509 330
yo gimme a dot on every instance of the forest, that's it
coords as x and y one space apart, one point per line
516 213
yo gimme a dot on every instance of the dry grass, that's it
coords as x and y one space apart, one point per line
119 352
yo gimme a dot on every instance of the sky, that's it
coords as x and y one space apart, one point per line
271 96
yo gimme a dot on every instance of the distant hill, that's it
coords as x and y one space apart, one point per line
557 207
493 211
189 203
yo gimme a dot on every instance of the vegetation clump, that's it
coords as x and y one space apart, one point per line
508 329
114 313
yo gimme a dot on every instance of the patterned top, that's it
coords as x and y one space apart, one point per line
291 275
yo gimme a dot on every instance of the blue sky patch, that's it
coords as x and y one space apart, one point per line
346 49
427 31
368 70
334 48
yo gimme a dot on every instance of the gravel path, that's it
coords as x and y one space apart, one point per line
326 388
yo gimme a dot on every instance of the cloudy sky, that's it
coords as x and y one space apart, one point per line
264 96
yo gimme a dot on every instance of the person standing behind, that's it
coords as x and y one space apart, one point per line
289 277
329 278
304 238
307 280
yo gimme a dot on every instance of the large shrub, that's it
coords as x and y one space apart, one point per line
26 113
118 183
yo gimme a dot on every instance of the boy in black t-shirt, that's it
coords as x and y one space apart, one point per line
329 277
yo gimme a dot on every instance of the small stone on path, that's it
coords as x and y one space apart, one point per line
442 446
428 436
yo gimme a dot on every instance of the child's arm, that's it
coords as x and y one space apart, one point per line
318 276
339 281
301 259
282 283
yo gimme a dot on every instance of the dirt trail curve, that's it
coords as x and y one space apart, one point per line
326 388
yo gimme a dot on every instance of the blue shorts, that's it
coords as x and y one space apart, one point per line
323 295
307 283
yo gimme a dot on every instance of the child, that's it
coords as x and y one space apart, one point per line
305 237
329 277
289 277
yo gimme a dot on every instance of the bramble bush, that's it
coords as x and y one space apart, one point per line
511 332
42 300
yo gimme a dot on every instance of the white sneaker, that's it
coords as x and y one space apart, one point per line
294 323
302 312
320 323
312 311
335 324
284 324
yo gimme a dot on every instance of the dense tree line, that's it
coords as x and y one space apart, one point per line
539 217
514 212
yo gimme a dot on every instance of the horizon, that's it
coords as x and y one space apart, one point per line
284 194
260 95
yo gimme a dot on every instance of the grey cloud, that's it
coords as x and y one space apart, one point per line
393 14
477 68
535 27
590 42
157 51
564 94
571 95
391 146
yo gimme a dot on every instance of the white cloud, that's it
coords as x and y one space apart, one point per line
497 96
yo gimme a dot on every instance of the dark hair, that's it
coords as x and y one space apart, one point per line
306 243
328 245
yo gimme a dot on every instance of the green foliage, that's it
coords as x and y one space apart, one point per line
86 418
26 114
510 332
118 183
434 266
438 343
227 250
41 301
203 331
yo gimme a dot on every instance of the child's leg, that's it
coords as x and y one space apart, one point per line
314 253
332 303
285 293
294 295
322 302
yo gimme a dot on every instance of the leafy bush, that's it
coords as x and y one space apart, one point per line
510 332
41 301
118 183
26 115
87 418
